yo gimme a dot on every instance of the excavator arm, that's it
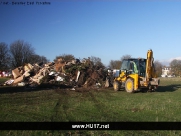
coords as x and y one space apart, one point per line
150 69
151 79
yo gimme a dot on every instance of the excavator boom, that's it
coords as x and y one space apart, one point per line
150 70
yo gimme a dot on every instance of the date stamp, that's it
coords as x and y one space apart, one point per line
23 3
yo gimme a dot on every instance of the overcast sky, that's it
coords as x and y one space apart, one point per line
102 28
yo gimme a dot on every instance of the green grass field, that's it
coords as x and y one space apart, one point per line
3 79
57 105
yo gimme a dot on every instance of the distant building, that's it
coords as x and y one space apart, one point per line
166 72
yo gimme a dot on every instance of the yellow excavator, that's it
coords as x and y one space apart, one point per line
137 74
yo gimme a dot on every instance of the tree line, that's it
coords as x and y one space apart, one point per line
96 61
18 53
116 64
175 65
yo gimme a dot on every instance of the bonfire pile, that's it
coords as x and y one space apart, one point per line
74 73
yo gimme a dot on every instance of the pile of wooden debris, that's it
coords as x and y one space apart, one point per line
74 73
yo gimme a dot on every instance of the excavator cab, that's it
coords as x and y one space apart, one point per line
137 66
137 74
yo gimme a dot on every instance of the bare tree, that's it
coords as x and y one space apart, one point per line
176 67
97 62
38 59
115 64
21 53
125 57
158 68
4 56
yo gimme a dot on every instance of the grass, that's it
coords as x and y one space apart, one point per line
19 104
3 79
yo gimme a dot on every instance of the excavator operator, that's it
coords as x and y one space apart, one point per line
133 67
